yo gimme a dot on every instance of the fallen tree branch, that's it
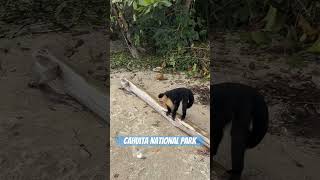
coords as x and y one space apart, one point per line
186 126
67 78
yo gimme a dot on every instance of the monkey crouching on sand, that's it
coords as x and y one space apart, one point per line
171 99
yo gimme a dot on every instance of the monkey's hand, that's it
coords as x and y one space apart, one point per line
173 117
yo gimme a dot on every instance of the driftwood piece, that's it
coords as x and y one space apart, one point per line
186 126
86 91
45 71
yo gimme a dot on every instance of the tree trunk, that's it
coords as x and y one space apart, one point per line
124 27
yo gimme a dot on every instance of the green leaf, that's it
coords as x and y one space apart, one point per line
116 1
203 32
148 10
59 9
135 5
259 37
303 37
134 17
315 48
271 18
196 36
156 4
130 2
143 2
194 68
167 3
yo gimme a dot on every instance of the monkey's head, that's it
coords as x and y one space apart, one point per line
165 100
162 98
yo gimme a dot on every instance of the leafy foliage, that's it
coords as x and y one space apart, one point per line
296 21
170 29
63 12
166 30
162 24
235 14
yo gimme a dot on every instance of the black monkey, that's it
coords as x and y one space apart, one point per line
173 98
246 109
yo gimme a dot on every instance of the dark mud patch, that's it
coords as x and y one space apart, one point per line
300 99
202 94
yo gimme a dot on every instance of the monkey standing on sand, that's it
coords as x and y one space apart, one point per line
171 99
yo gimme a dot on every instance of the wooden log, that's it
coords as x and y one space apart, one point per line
86 91
44 71
186 126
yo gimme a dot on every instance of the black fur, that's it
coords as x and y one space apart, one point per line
176 96
244 107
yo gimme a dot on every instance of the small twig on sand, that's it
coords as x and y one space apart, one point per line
83 146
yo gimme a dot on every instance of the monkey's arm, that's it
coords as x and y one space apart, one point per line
168 110
175 109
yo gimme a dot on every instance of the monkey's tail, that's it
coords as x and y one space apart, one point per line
191 100
259 123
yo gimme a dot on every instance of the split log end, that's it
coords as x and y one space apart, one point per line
125 84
